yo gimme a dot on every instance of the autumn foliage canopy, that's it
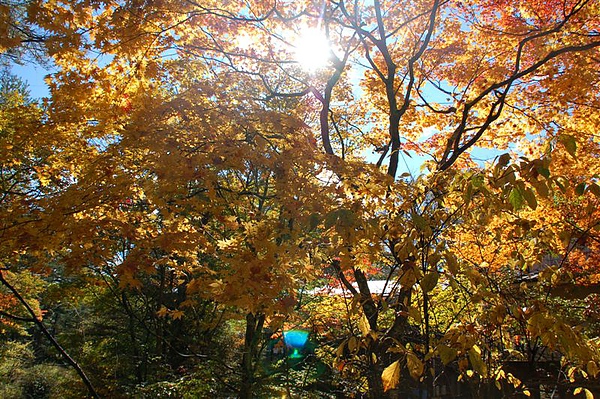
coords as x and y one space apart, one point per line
196 150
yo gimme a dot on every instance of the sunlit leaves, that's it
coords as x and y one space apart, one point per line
588 394
391 376
187 139
516 198
363 325
476 361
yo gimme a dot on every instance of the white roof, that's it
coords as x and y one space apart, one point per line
377 287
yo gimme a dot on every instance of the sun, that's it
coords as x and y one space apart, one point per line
313 50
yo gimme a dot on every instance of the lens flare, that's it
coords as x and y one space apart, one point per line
295 339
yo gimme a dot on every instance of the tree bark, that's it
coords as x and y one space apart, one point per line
375 382
254 326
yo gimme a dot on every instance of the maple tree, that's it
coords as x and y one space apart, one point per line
515 275
186 139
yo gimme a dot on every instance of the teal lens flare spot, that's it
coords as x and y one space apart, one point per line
295 354
295 339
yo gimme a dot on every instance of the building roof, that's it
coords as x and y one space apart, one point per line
377 287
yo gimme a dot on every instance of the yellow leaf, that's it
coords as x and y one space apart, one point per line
415 313
592 368
476 361
364 326
588 394
451 263
276 322
177 314
529 196
391 376
340 350
414 364
162 312
352 343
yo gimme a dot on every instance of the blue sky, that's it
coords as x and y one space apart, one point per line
34 76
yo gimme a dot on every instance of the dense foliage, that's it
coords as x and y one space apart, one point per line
198 183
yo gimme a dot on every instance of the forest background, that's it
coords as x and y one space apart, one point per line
200 172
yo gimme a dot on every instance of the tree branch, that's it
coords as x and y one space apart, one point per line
50 337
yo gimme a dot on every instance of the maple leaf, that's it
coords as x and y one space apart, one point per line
176 314
162 312
249 173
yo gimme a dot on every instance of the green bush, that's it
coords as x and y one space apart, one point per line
21 378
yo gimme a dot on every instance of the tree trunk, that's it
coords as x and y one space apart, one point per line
139 375
375 382
254 326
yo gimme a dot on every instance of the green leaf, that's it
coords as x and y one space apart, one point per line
429 281
516 198
468 194
331 219
391 376
580 188
314 220
570 144
447 354
346 217
477 180
419 221
544 171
